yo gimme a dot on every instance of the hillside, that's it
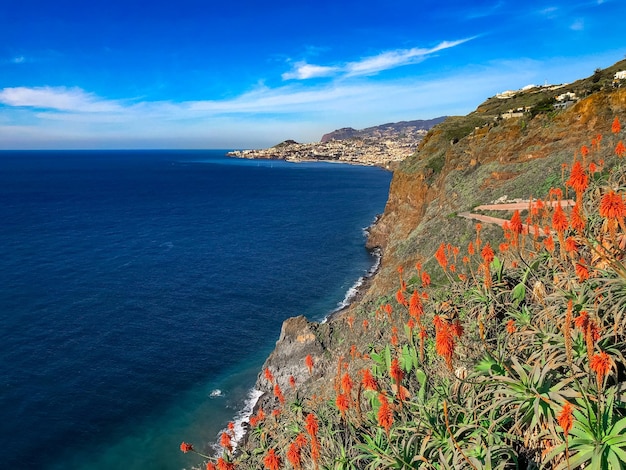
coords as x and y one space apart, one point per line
473 346
391 130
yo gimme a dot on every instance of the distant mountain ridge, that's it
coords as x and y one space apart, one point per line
382 129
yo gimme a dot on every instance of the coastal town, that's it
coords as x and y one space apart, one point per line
376 146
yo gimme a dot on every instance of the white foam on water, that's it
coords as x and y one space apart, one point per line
240 418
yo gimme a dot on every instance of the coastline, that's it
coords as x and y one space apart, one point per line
256 396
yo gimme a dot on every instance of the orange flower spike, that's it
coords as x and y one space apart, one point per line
369 382
269 376
487 254
231 427
224 464
278 393
346 383
510 326
566 419
616 127
308 362
570 245
271 460
582 320
620 149
584 150
292 381
311 425
315 450
385 415
210 466
559 219
444 344
400 298
593 168
294 455
503 247
185 447
612 206
350 321
515 223
416 309
578 180
301 441
440 256
470 248
425 279
581 270
396 372
365 325
601 364
343 403
576 220
225 442
548 242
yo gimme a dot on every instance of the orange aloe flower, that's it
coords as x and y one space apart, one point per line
576 220
311 425
385 415
346 383
565 418
620 150
301 441
184 447
516 223
584 150
269 376
425 279
343 403
444 343
581 270
224 464
294 455
510 326
578 179
271 460
400 298
278 393
395 371
416 309
549 243
601 364
369 382
570 245
292 381
612 206
615 127
440 256
487 254
210 466
315 450
308 361
365 325
225 442
470 248
559 220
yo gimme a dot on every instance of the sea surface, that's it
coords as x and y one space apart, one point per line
141 291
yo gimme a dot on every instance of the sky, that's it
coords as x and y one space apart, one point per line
125 74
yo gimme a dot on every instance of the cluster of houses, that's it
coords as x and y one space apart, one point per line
563 101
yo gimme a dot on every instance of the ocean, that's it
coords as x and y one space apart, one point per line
141 291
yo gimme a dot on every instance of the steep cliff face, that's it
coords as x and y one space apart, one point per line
462 163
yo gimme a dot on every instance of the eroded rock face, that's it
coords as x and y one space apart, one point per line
298 339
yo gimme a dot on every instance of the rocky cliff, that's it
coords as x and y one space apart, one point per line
461 163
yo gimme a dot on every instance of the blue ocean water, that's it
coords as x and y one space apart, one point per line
134 284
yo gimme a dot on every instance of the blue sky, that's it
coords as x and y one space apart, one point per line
202 74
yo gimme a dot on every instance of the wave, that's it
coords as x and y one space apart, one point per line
240 418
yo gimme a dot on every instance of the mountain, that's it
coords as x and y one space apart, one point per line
390 130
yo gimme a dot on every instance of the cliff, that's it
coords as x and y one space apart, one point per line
461 164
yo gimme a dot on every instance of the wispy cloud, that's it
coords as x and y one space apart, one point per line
577 25
56 98
369 65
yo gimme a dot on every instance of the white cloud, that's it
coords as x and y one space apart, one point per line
56 98
303 71
18 60
578 25
369 65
